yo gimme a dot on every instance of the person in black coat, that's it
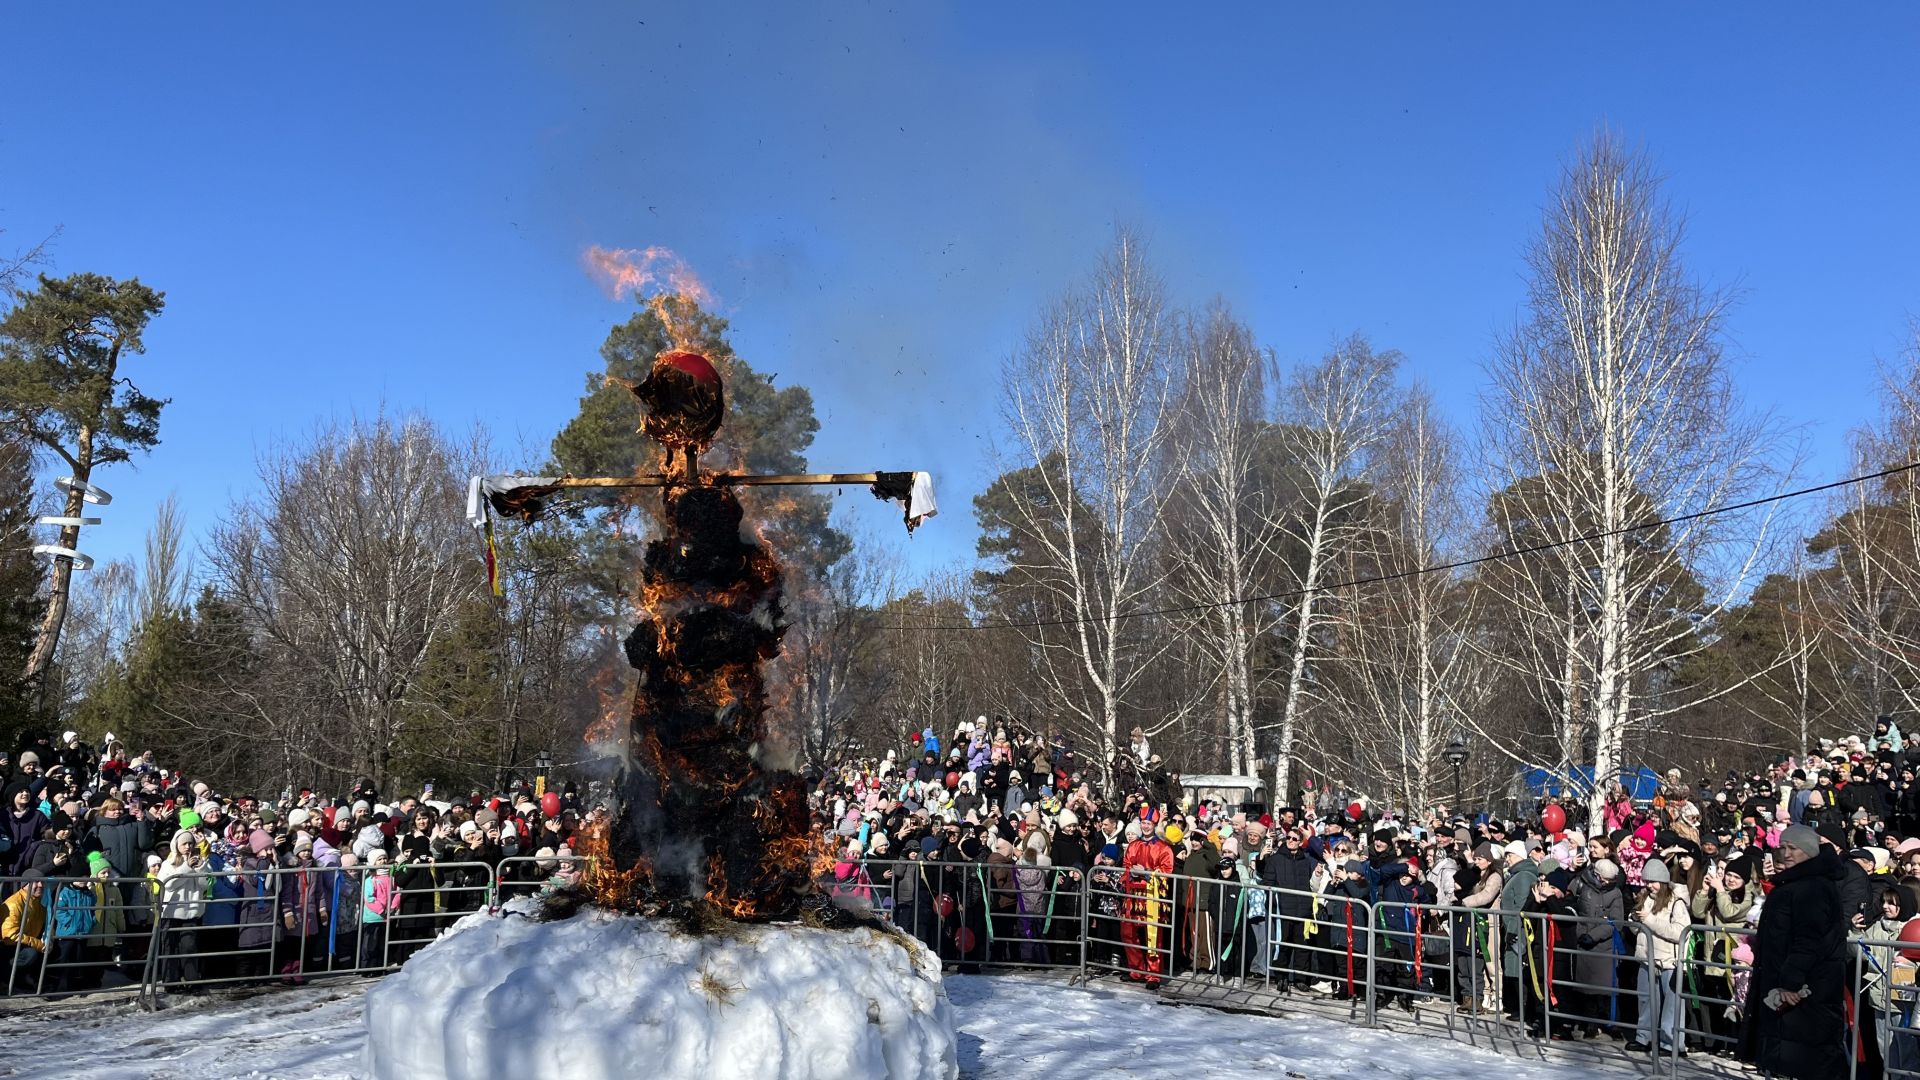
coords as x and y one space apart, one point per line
1795 1017
1289 913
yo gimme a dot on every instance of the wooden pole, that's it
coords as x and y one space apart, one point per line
649 480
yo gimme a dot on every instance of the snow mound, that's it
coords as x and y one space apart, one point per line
603 995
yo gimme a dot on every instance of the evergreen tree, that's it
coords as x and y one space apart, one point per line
21 604
61 388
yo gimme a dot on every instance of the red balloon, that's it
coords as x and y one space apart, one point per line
550 804
1553 818
1911 932
1354 810
953 780
965 937
944 905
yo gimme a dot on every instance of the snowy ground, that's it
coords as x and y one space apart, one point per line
1011 1026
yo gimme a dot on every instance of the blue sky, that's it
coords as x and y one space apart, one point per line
351 207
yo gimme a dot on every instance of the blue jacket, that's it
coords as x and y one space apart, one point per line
73 911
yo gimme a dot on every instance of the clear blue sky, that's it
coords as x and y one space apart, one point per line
357 205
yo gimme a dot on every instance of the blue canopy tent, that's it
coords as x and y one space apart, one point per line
1641 783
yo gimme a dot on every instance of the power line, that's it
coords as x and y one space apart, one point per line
1462 564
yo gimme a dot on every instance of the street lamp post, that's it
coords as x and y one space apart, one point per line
1456 755
541 763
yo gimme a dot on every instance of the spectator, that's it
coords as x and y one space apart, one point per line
1795 1020
23 927
182 905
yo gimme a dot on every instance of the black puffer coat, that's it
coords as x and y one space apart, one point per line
1800 943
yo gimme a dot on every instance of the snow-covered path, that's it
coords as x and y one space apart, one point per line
1011 1026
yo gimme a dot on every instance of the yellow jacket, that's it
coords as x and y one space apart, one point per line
25 922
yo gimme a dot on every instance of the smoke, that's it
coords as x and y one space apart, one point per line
642 272
656 277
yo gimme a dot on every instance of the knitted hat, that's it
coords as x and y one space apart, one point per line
1655 873
189 819
1606 870
296 817
1486 851
1174 834
1802 838
1515 850
97 862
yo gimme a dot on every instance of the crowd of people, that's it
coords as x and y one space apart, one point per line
1717 909
118 871
1722 909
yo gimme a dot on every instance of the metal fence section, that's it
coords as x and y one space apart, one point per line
1529 979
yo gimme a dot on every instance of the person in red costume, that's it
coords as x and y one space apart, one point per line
1148 857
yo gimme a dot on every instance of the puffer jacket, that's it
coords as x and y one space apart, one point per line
1660 945
183 891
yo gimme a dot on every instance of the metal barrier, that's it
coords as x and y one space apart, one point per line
1534 975
527 875
1884 1037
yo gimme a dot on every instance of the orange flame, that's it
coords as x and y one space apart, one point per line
656 277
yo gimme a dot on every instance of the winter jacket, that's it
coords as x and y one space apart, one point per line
306 896
1800 944
73 910
1486 892
126 843
376 896
1292 870
22 831
1513 897
1665 927
1444 878
257 916
24 921
183 890
1856 893
1603 912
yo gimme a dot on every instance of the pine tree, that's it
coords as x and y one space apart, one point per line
21 602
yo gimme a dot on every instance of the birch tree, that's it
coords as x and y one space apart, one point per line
1086 408
1337 413
1226 518
1409 677
1612 404
1868 554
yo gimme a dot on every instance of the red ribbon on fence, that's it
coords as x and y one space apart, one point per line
1349 948
1418 948
1553 932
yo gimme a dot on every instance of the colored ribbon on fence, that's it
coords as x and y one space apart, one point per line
1349 904
1553 934
1419 946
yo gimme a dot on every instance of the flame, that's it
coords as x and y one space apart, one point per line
657 278
612 887
611 723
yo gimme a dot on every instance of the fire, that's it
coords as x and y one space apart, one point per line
658 278
709 614
612 886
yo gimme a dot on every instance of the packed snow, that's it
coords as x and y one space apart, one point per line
600 994
1010 1027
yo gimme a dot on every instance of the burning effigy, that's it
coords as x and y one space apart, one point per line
684 955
